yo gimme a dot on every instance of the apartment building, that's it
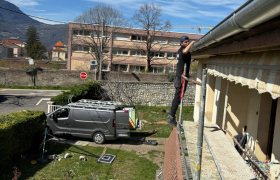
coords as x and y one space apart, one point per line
18 47
124 52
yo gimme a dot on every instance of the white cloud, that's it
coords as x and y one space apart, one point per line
24 2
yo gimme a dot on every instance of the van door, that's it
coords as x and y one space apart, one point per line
122 124
59 121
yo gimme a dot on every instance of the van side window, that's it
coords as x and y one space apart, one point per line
62 113
79 114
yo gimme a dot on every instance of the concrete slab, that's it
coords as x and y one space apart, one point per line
208 167
230 163
220 160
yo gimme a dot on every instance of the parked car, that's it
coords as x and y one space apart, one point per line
98 120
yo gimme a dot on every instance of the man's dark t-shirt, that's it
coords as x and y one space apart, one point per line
181 60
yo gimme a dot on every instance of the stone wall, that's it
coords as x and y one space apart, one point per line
69 78
130 88
145 93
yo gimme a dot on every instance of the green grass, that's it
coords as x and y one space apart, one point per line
155 113
36 87
127 165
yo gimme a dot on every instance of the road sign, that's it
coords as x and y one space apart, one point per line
83 75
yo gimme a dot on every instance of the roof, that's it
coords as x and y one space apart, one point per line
13 41
59 44
58 49
9 44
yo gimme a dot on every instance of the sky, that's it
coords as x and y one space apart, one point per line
205 13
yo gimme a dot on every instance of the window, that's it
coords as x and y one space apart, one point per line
123 67
81 32
160 40
137 68
120 52
105 51
123 37
157 54
61 113
99 34
174 41
137 53
156 70
138 38
171 55
105 67
80 48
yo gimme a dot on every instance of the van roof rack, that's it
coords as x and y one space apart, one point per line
95 104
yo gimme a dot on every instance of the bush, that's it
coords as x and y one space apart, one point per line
20 132
89 90
171 77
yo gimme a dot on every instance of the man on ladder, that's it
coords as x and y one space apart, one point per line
183 57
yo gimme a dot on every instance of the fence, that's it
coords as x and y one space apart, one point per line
52 108
172 168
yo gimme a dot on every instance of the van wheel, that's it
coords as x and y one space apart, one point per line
99 138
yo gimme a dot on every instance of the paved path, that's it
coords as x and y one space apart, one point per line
222 161
208 167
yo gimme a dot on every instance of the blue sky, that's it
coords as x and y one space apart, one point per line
180 13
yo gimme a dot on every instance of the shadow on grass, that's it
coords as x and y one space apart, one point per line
29 170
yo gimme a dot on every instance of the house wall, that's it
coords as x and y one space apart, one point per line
263 126
201 65
210 91
238 100
275 156
216 100
220 111
253 117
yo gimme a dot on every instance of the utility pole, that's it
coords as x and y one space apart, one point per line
100 65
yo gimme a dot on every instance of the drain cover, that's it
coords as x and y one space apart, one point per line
106 158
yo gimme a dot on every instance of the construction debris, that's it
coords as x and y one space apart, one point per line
52 156
146 122
160 122
67 155
83 158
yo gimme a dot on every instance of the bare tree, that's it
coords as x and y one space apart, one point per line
97 26
149 18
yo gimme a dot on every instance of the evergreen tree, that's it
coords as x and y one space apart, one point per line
37 51
31 37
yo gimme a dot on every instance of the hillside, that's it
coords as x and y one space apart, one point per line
15 25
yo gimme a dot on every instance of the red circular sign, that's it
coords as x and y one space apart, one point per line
83 75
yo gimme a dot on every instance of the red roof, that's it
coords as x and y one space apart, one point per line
13 41
9 44
59 44
58 49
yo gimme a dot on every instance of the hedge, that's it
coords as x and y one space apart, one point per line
89 90
20 132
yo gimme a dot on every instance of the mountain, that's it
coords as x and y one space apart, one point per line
15 25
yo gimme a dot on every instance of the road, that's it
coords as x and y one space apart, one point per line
12 100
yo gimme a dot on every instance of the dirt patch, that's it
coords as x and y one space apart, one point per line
152 153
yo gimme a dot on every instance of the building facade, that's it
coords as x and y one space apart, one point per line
124 51
243 79
17 46
59 52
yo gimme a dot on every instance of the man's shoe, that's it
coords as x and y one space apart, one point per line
171 120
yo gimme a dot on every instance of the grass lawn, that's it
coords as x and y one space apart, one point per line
155 113
127 165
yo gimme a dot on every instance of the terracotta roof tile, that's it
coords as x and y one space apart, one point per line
13 41
9 44
58 49
59 44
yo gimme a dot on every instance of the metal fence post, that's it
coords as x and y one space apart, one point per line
200 126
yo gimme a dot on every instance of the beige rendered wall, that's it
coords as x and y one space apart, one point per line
210 90
78 65
263 126
216 100
253 117
221 103
275 156
238 101
201 65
